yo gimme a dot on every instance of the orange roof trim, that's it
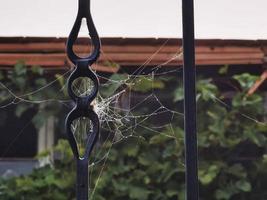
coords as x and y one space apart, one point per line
50 52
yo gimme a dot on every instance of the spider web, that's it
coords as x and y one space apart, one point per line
118 121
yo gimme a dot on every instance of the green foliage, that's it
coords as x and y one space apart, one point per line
21 86
116 82
145 84
46 183
224 70
246 80
232 154
178 94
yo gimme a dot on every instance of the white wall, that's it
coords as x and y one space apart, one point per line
223 19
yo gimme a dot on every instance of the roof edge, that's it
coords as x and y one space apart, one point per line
139 41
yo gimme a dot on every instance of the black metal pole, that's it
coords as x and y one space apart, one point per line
83 104
191 152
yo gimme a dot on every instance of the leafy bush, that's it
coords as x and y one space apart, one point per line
232 156
18 88
46 183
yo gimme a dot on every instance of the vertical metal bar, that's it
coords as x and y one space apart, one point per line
82 179
191 152
83 107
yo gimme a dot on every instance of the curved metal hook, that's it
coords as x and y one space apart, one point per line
83 12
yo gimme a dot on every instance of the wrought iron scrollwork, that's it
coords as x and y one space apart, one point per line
83 104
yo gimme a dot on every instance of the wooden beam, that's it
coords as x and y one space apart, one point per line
51 53
60 59
60 48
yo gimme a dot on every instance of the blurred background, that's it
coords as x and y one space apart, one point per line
140 150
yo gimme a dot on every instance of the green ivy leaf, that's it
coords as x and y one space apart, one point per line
178 94
243 185
115 82
144 84
246 80
206 89
159 139
237 170
170 193
20 109
36 69
40 81
20 68
206 176
224 70
39 119
222 195
139 193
